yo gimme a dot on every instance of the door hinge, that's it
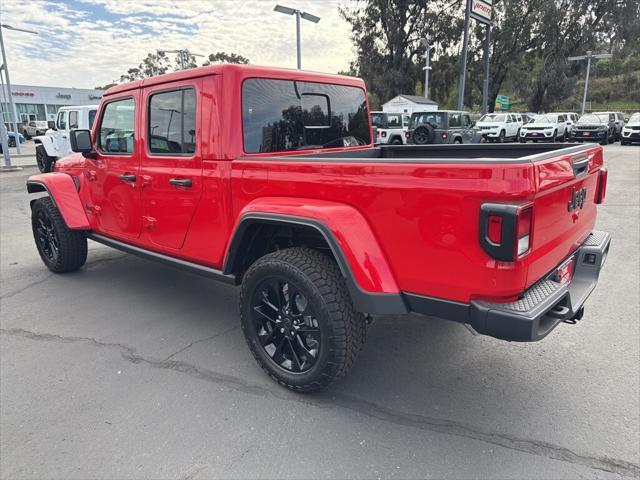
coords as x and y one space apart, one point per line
93 209
148 222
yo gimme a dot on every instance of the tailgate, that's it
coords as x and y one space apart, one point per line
567 189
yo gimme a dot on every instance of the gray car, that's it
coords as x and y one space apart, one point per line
442 126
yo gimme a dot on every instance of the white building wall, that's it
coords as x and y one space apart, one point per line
44 101
405 106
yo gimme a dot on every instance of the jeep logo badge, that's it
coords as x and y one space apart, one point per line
577 199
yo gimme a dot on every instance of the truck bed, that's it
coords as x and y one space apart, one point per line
423 205
480 152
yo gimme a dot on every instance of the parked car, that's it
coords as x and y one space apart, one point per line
11 139
595 127
54 144
631 130
500 127
546 127
571 117
618 119
319 228
390 128
34 128
443 126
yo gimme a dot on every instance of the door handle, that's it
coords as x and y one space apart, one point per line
181 182
128 177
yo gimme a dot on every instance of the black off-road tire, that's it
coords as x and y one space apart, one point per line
72 244
44 161
343 329
502 136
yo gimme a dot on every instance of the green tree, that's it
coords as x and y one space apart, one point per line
386 35
223 57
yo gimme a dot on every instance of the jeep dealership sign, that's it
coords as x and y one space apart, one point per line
481 10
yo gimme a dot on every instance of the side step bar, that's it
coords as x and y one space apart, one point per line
158 257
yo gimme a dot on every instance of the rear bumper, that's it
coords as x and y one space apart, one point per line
541 308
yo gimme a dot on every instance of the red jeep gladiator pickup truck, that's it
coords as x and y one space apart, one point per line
268 178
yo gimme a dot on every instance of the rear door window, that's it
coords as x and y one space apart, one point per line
92 117
454 120
115 134
172 122
286 115
62 120
73 119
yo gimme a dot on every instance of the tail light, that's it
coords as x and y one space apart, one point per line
444 134
505 230
601 187
407 134
523 222
383 133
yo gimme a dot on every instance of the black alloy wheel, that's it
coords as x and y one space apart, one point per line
47 237
61 249
285 324
298 319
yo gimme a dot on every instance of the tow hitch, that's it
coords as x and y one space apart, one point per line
577 317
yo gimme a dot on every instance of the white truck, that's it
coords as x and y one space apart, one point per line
498 127
55 144
391 128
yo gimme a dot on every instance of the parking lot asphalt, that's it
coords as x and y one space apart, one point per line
130 369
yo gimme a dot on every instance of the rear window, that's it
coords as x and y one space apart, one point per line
285 115
435 119
377 119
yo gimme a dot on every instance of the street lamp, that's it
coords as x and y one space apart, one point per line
427 65
14 113
299 14
588 57
183 55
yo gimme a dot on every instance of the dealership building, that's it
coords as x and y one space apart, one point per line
42 103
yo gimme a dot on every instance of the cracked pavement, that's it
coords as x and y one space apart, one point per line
130 369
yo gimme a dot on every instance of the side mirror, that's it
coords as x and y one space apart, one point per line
81 142
52 125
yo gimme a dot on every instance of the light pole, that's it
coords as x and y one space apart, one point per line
183 55
5 69
588 56
299 14
427 64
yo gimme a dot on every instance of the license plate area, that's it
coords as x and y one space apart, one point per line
564 273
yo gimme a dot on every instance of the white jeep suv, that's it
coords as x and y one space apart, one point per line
391 128
498 127
55 143
546 127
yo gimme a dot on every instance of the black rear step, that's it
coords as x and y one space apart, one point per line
546 303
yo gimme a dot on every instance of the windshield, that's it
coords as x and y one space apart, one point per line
498 118
604 117
590 118
434 118
487 118
635 118
545 119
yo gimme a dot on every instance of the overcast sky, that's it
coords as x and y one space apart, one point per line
85 43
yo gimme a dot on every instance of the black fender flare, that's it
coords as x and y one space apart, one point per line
365 302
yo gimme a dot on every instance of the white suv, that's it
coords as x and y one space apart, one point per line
391 128
55 143
631 131
572 119
546 127
498 127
